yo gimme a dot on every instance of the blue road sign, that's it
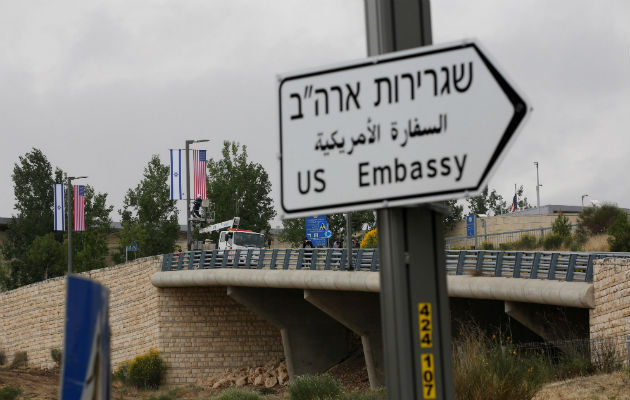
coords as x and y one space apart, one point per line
86 365
316 228
470 225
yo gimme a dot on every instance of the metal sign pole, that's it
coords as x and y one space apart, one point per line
70 197
414 302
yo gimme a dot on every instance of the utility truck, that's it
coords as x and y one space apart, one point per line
232 238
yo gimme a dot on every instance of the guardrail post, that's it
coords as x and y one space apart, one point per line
166 262
552 267
202 260
180 260
225 258
374 265
498 266
300 259
518 257
287 258
461 259
274 258
342 260
480 256
589 268
191 260
571 268
248 258
534 272
261 259
213 258
329 253
314 259
358 260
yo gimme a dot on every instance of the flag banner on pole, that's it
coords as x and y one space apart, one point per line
199 161
79 208
176 174
514 204
60 207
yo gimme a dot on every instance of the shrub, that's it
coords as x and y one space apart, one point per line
10 392
598 219
526 242
370 240
238 394
143 372
552 242
379 394
309 387
57 356
561 226
486 246
484 369
3 357
20 359
620 233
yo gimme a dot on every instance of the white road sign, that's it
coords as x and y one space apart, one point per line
408 127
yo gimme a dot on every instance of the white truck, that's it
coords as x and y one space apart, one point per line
233 238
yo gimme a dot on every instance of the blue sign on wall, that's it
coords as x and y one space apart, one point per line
316 229
470 225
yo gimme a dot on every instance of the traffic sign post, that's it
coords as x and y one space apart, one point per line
316 228
408 125
470 225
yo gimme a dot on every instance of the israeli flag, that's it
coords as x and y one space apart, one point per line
176 174
60 207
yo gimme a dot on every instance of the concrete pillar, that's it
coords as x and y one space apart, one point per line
313 342
361 313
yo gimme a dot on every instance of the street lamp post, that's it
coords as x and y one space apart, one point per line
70 215
538 185
583 196
188 225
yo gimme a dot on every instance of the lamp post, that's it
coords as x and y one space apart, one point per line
583 196
538 185
188 227
70 215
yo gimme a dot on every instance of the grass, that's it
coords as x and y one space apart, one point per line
10 392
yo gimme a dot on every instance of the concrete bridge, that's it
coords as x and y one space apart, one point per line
312 295
208 311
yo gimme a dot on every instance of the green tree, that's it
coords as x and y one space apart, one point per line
486 202
238 187
293 231
561 226
33 181
597 220
46 258
148 216
619 232
522 202
455 214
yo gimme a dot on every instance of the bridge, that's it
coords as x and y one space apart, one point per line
313 294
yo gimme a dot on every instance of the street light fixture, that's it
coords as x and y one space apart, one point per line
188 227
583 196
70 216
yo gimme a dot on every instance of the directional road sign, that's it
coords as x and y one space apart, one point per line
413 126
470 225
316 228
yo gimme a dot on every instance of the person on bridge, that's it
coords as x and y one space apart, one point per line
307 244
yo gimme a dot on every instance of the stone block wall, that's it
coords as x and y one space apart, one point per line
611 287
203 332
510 222
198 331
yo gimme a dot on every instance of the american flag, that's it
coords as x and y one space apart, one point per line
199 162
79 208
514 204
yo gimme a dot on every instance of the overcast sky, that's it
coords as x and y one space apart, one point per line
100 86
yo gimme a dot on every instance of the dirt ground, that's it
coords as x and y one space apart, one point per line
43 385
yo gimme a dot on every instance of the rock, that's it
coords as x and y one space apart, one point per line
259 380
271 381
240 381
223 383
283 377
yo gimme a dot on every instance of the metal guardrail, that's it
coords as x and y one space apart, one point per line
496 239
516 264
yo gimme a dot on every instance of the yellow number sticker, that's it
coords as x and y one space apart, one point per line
428 376
425 325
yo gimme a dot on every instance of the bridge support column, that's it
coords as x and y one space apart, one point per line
312 341
361 313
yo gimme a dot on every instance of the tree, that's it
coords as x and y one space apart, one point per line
239 187
33 181
293 231
455 214
148 216
561 226
619 232
487 202
522 203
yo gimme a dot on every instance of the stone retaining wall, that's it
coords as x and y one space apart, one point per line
611 287
198 331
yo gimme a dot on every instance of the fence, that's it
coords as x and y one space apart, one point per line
495 239
569 266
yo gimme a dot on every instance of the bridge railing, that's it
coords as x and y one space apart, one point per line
567 266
